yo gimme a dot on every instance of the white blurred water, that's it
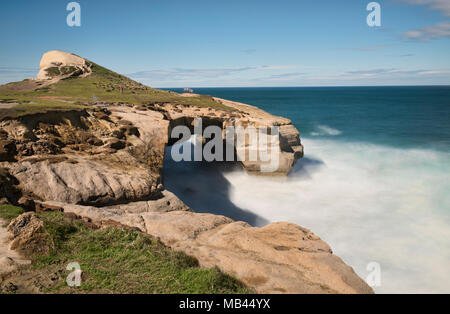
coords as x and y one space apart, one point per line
370 203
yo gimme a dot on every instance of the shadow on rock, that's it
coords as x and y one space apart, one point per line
203 187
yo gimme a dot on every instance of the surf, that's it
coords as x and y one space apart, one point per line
370 203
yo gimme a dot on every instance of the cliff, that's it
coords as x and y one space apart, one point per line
74 141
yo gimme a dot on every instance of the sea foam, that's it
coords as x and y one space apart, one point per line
370 203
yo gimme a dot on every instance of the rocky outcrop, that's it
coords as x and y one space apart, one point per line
114 155
279 258
286 146
57 65
84 166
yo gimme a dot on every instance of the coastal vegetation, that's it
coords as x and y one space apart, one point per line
114 260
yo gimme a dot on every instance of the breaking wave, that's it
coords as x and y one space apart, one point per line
325 130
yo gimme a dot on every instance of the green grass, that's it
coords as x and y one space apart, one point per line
77 93
124 261
9 212
28 105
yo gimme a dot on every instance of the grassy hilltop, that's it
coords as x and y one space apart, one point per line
32 96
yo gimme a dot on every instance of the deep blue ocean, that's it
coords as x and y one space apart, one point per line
416 116
374 182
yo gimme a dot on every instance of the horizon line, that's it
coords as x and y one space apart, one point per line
315 86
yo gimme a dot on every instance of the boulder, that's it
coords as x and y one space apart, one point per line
29 236
59 65
83 181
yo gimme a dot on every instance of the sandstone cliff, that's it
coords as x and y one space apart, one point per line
104 161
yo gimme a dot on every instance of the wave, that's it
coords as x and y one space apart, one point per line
325 130
370 203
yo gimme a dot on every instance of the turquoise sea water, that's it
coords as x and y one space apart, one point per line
374 182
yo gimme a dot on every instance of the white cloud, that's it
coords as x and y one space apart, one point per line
434 72
441 30
441 5
381 76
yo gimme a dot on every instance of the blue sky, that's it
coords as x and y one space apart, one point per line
213 43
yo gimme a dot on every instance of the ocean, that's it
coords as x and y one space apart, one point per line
374 181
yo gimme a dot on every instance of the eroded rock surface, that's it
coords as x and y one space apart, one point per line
72 158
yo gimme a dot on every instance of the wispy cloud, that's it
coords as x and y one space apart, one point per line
434 72
198 74
283 77
17 71
249 51
392 74
441 5
441 30
371 72
370 48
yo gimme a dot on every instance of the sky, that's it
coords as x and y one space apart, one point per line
218 43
